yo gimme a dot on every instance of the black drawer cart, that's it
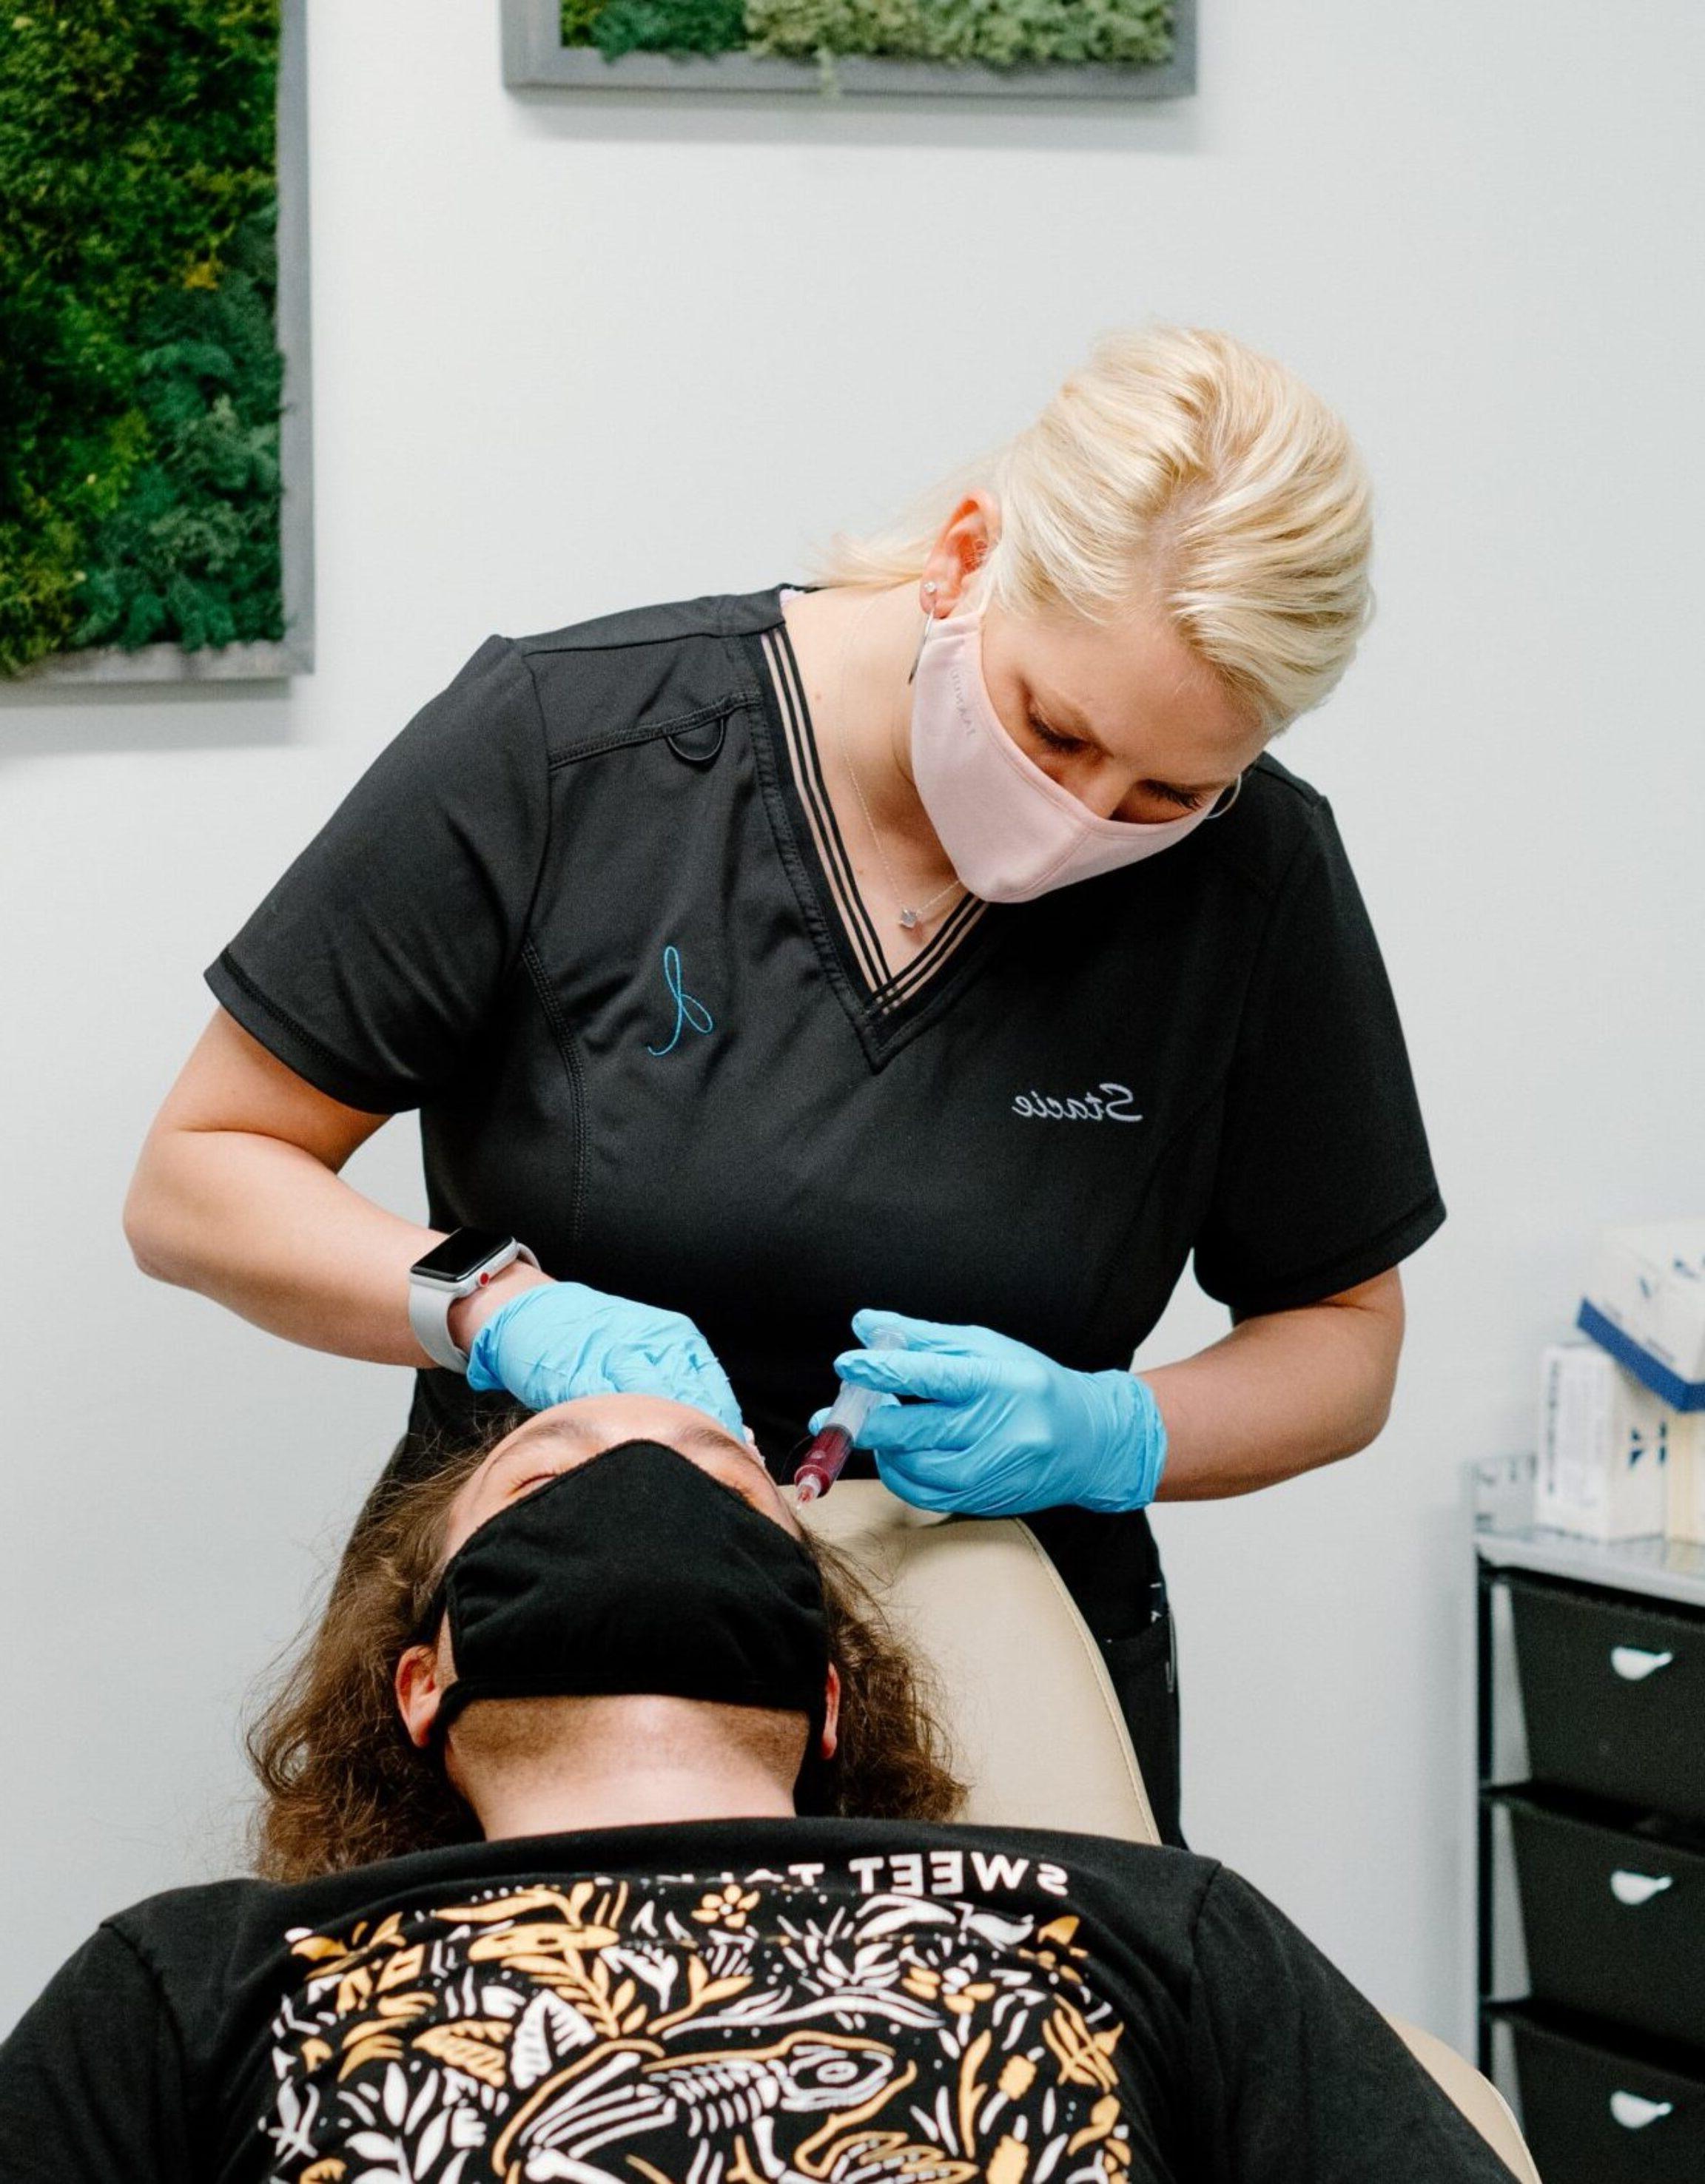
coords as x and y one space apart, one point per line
1590 1839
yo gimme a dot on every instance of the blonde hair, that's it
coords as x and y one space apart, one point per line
1180 466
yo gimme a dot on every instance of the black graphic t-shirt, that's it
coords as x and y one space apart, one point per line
777 2002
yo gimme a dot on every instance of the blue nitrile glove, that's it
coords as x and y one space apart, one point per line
1001 1428
558 1340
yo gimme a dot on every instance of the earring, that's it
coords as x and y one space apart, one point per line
928 622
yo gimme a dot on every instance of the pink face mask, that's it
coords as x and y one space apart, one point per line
1010 831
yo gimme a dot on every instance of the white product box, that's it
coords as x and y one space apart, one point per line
1645 1304
1603 1440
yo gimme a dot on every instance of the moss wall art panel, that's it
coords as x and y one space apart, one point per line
153 429
942 49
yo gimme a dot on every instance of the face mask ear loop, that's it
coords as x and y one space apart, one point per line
924 637
1220 810
427 1627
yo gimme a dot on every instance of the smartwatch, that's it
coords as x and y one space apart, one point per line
464 1261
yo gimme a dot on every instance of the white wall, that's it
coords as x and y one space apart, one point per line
573 356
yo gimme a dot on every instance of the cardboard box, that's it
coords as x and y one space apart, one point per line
1645 1304
1603 1444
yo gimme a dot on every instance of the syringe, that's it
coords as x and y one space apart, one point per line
834 1442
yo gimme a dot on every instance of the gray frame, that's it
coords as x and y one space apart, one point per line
535 58
293 655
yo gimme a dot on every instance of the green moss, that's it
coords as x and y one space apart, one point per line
578 17
668 27
189 552
1001 33
139 374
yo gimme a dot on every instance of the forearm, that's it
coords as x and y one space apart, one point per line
1282 1393
266 1228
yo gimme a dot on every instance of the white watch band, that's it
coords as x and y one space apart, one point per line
429 1321
430 1302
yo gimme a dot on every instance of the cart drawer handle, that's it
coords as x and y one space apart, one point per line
1633 1664
1636 1888
1634 2114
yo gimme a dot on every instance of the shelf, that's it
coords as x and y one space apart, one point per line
1657 1568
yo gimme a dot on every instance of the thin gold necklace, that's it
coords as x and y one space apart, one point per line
909 914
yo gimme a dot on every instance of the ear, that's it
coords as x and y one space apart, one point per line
832 1713
419 1691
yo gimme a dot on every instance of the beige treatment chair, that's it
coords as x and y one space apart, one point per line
983 1604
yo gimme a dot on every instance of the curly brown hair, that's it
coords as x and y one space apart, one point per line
342 1786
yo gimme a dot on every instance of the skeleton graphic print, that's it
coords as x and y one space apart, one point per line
756 2029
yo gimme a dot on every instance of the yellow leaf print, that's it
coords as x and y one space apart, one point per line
459 2047
405 1965
1017 2075
380 2048
1058 1930
602 1931
325 2172
557 1943
1084 2056
1102 2118
969 2064
1008 2162
318 1948
702 1990
969 2088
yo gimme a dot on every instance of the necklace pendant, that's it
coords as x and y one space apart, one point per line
908 918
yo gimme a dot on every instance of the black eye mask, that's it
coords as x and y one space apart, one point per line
637 1572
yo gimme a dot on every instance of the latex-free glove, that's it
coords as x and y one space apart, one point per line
558 1340
1001 1428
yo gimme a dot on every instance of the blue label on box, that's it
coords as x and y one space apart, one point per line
1663 1379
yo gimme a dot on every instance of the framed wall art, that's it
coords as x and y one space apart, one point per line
154 433
925 48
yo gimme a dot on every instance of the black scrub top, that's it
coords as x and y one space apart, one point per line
590 914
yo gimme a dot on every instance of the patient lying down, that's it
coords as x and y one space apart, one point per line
605 1837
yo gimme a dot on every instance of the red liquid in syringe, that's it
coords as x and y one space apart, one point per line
822 1463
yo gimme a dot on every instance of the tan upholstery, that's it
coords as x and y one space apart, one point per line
981 1602
984 1606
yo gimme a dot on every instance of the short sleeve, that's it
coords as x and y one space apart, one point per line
1293 2073
1323 1177
91 2080
371 966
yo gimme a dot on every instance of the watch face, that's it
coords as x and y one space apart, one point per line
461 1254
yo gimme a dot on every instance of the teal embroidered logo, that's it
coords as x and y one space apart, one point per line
688 1010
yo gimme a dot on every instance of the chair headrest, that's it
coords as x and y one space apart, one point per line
985 1609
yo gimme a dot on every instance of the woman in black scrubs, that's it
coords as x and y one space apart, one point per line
761 958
